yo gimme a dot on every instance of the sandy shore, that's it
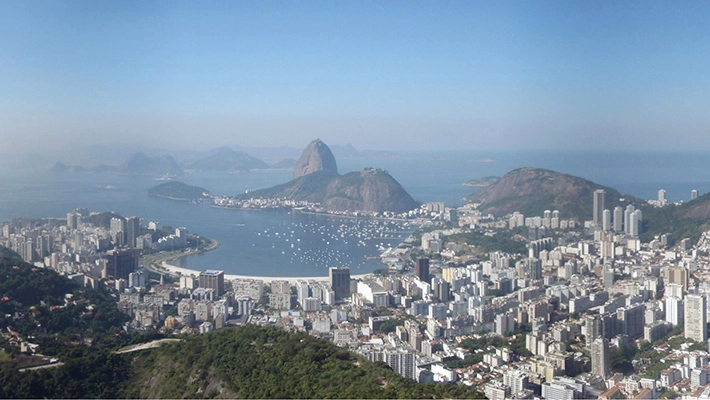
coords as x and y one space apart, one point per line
175 270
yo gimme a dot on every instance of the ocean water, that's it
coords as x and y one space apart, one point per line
278 243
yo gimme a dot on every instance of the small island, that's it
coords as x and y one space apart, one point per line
483 182
179 191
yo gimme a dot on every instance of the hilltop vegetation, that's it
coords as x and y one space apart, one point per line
258 362
178 191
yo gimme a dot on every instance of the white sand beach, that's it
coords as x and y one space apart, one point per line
175 270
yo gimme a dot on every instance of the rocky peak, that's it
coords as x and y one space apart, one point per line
316 157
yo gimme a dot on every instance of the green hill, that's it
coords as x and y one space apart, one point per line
531 191
258 362
178 191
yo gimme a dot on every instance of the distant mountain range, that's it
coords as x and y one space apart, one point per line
224 158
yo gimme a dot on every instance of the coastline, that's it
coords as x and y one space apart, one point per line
178 271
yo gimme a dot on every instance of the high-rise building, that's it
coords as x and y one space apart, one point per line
600 357
618 219
674 310
212 279
340 282
504 323
662 196
635 223
422 269
303 291
696 318
120 263
606 220
73 220
598 208
678 275
132 230
693 194
631 320
627 218
118 231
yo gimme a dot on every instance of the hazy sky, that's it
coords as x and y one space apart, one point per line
381 75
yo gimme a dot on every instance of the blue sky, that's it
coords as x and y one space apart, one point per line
384 75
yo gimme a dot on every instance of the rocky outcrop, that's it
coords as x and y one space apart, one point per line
316 157
369 190
317 181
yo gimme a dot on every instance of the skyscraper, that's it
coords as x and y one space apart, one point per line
120 263
674 310
618 219
422 269
606 220
693 194
696 318
627 218
118 231
132 230
598 208
662 196
340 281
73 219
600 357
634 223
212 279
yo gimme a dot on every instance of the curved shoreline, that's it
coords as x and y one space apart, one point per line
156 260
180 271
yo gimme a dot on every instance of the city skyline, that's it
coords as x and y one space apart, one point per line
377 75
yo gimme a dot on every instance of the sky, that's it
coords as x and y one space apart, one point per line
388 75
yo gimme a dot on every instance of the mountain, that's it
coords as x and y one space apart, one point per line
61 168
317 181
178 191
316 157
286 163
226 159
140 164
371 189
531 191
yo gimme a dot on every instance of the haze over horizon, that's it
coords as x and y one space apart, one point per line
380 75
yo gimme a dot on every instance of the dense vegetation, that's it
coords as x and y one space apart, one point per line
680 221
177 191
259 362
500 241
